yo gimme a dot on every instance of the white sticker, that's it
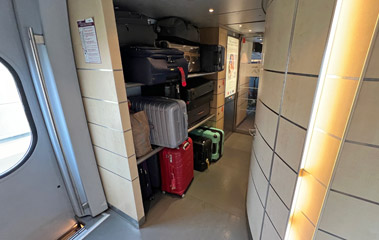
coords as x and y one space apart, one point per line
88 38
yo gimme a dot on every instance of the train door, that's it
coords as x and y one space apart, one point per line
34 203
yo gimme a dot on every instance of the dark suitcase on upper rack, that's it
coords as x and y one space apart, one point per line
149 65
177 168
168 119
178 30
191 54
207 98
144 178
154 171
212 58
135 29
196 88
202 152
198 113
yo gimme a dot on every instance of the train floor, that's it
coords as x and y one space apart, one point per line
213 208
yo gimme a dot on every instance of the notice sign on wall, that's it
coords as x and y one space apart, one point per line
231 66
88 37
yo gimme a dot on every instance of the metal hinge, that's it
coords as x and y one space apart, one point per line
39 39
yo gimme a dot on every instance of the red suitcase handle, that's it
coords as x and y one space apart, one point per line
183 76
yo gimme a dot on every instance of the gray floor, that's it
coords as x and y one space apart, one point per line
213 208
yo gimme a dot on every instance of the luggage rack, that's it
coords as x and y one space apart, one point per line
190 75
158 149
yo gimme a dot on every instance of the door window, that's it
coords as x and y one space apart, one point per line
15 132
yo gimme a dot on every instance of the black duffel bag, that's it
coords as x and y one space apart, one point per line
178 30
150 66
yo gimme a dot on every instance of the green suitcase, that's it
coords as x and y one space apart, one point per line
222 136
216 138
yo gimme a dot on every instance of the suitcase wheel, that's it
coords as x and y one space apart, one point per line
163 192
183 195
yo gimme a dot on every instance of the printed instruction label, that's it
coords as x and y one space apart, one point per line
232 48
88 37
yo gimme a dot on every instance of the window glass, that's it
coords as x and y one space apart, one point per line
15 133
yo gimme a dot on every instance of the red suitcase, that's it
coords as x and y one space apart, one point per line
177 168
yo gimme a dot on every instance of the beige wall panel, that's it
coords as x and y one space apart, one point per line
259 179
277 212
241 115
103 14
218 100
242 98
277 34
115 141
219 112
311 197
111 115
350 218
263 153
302 227
298 99
270 89
321 156
311 29
209 35
105 85
268 231
364 126
283 180
357 171
335 105
255 210
347 60
266 122
290 143
219 86
119 192
125 167
372 68
220 123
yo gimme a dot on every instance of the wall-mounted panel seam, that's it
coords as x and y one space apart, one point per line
292 73
256 190
285 163
354 196
113 152
331 234
277 194
309 220
281 104
362 143
371 79
256 127
268 107
113 129
273 225
100 69
326 133
129 180
259 165
290 121
332 76
102 100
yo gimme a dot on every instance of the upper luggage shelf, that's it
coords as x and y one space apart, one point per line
190 75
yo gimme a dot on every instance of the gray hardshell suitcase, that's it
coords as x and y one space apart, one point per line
167 118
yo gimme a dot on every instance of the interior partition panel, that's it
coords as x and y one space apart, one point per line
105 100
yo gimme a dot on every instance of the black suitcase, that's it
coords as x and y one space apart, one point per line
198 113
196 88
154 171
144 178
207 98
212 58
135 29
178 30
202 152
150 66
